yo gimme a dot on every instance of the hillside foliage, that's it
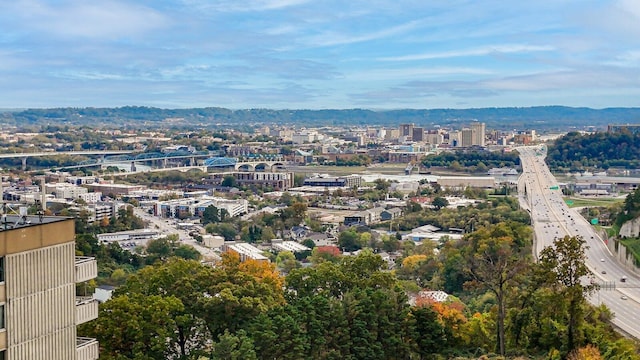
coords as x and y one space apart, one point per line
600 150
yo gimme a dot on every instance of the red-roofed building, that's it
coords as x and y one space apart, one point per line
422 200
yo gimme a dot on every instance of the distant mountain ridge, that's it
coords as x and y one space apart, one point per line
547 118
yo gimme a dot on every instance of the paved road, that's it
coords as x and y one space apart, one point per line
552 218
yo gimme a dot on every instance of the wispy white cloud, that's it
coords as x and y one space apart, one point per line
318 54
282 30
626 59
243 5
402 74
479 51
85 19
335 38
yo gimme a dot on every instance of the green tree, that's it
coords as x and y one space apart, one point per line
277 334
439 202
184 280
118 276
286 261
495 261
382 184
160 249
349 240
564 266
236 346
426 331
136 326
229 181
213 215
390 244
187 252
228 231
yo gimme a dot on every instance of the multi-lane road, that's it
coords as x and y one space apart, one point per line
552 218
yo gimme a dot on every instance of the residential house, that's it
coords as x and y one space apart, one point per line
390 214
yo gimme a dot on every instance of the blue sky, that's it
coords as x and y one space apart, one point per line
320 54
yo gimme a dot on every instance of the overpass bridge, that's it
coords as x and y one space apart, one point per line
112 157
25 156
163 158
107 157
181 169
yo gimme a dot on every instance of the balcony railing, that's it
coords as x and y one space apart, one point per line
87 348
86 309
86 268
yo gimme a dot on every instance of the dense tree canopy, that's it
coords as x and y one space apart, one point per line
600 150
472 161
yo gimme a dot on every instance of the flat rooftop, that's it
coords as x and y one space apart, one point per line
12 221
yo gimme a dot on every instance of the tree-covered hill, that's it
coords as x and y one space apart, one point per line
600 150
538 118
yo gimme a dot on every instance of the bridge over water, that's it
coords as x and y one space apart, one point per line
250 165
25 156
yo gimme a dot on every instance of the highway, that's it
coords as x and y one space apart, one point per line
552 218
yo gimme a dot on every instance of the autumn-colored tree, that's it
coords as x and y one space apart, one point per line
451 317
495 260
413 261
588 352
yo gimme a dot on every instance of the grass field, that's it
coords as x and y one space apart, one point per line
582 202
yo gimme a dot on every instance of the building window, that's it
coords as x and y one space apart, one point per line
1 272
2 317
3 354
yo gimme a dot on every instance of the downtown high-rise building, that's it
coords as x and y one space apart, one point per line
467 137
478 133
406 131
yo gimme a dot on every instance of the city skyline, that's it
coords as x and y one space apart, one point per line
295 54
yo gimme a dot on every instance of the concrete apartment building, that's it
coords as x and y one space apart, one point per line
38 304
196 206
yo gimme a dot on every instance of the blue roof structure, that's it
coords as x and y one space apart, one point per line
220 162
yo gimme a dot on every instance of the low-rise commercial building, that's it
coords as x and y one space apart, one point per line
334 181
65 190
140 235
91 197
292 246
245 251
115 189
365 217
279 181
